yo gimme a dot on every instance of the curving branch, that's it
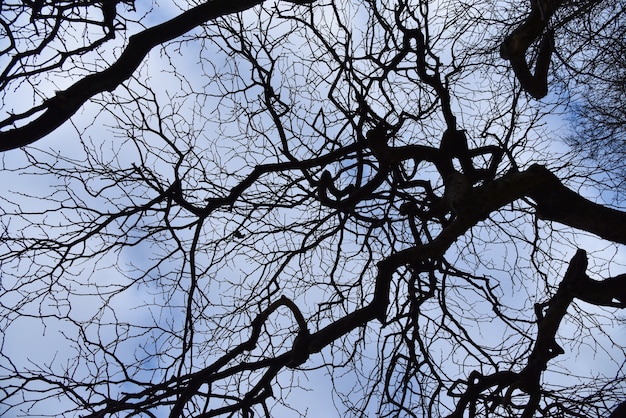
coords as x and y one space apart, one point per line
58 109
575 285
515 47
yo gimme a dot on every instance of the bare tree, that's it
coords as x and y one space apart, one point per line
360 187
599 90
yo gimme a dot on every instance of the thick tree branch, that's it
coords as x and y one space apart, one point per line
515 47
619 411
61 107
555 202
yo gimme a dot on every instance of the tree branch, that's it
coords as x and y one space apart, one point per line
555 202
63 105
515 47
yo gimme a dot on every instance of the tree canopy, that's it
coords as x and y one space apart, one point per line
206 204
